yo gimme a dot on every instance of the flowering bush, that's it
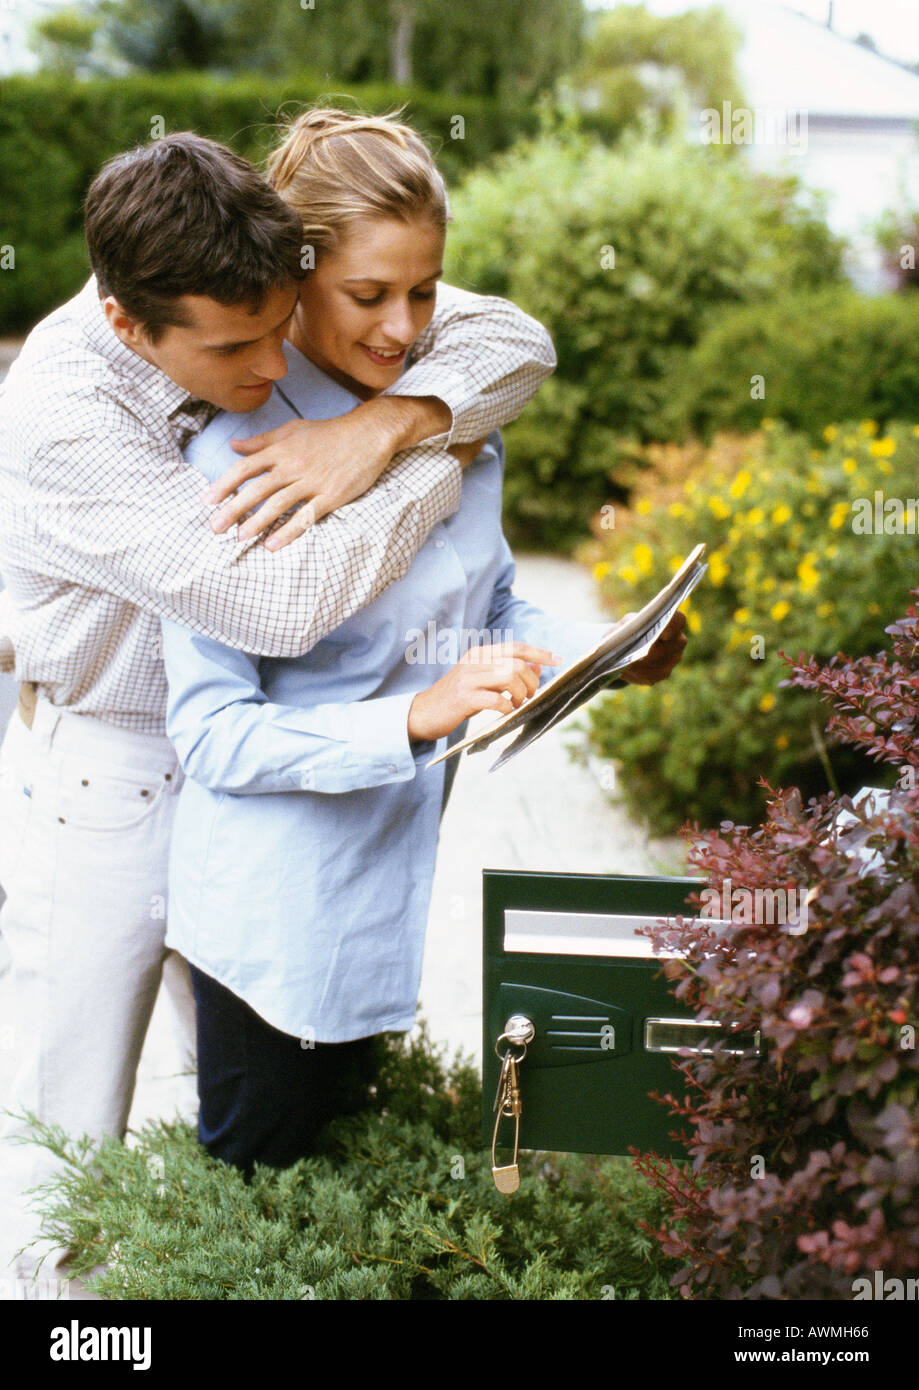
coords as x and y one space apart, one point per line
804 546
805 1174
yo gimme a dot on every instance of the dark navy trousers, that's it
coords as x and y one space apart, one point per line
263 1097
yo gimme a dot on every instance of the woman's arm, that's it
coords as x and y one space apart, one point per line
231 738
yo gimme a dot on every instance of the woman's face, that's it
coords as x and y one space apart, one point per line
367 300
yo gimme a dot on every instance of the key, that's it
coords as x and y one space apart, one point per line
507 1105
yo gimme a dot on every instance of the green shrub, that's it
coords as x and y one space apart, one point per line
823 356
787 571
688 228
56 132
399 1205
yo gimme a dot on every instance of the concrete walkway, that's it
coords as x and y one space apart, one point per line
540 812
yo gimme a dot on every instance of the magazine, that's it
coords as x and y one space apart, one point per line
626 642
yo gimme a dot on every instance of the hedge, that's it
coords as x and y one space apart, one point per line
818 356
56 132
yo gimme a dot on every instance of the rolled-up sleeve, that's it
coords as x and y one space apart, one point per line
483 357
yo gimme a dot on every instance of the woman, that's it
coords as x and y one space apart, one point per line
304 846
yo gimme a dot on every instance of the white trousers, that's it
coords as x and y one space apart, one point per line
85 816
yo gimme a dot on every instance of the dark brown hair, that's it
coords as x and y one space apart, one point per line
185 215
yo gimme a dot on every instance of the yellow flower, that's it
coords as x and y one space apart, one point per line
755 516
884 466
916 431
838 515
849 465
767 422
831 552
766 703
808 576
874 608
742 615
767 585
676 509
719 507
693 621
740 484
643 556
882 448
816 454
718 570
825 609
869 428
782 741
778 610
781 514
643 506
830 433
602 569
628 574
674 562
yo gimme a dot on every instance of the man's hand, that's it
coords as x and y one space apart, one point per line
663 656
319 465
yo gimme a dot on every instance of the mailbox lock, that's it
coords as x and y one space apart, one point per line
518 1029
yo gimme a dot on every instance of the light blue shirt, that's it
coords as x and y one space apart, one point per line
306 830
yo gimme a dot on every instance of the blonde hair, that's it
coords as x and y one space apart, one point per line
335 168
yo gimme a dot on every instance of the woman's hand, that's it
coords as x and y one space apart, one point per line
663 656
319 465
499 676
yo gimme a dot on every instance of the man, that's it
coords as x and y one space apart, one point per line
103 531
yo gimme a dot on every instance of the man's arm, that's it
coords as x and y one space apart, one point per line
474 368
7 654
119 510
482 357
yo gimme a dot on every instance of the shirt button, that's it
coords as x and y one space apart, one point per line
439 544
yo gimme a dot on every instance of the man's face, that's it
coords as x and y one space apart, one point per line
227 354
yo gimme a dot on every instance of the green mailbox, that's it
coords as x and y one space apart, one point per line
589 998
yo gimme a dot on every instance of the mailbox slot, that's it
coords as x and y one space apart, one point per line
697 1034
